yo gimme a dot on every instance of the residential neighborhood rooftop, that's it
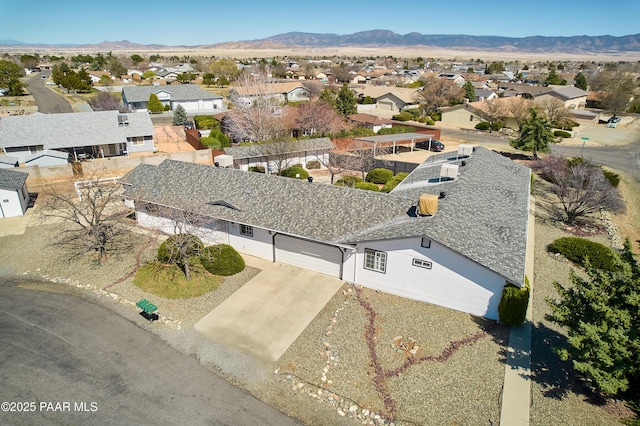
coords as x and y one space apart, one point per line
12 179
483 215
182 92
261 150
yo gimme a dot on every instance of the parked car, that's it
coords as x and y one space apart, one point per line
614 119
436 146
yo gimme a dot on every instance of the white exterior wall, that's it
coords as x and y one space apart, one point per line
213 233
454 281
13 203
259 245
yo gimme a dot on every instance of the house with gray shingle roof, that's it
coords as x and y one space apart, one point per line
192 97
275 156
6 162
14 196
79 134
459 255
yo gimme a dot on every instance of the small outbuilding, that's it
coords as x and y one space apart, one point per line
48 157
14 196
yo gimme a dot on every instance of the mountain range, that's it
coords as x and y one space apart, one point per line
384 38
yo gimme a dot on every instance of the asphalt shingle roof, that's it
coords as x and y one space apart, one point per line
12 179
55 131
182 92
483 215
264 150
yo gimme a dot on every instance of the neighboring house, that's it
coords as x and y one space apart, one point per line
370 121
14 196
81 134
468 115
572 97
7 162
274 156
456 78
48 157
192 97
485 95
282 92
459 255
96 76
389 98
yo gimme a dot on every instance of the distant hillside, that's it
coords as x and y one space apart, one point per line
383 38
538 44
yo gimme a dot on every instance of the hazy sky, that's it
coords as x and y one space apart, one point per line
206 22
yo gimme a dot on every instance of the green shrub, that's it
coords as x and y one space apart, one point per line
395 130
497 126
379 175
578 250
389 186
415 112
257 169
169 250
436 116
512 309
167 107
367 186
313 165
222 259
206 122
483 125
613 178
561 133
291 172
426 120
349 181
403 116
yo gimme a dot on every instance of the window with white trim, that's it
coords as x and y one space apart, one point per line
421 263
136 140
246 230
375 260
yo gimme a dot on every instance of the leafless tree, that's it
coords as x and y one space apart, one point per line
581 188
314 87
438 92
618 89
279 153
257 113
495 110
555 111
105 101
318 119
520 109
93 213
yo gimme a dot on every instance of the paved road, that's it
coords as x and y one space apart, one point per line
59 348
624 158
48 101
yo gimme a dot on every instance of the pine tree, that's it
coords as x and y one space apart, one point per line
470 91
581 81
345 102
601 315
179 115
154 104
535 135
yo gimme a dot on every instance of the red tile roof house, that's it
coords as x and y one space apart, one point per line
460 256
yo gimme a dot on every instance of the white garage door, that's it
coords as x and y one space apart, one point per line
309 255
386 105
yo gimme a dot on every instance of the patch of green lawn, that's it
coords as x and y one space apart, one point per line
169 281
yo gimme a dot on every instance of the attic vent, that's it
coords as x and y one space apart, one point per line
223 204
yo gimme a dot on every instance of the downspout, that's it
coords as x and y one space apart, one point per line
273 244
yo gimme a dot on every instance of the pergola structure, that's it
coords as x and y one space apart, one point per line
412 138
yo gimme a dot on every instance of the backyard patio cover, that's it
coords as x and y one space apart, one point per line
398 137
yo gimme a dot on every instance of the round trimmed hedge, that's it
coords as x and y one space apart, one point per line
367 186
222 259
379 175
348 180
291 172
578 250
169 250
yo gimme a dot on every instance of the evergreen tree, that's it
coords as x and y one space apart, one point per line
469 91
154 104
328 97
346 101
553 77
581 81
179 115
601 315
10 74
535 134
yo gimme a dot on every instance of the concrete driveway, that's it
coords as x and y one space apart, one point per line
267 314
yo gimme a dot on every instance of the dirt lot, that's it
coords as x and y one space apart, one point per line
171 139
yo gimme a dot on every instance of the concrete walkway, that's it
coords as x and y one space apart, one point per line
268 313
516 391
